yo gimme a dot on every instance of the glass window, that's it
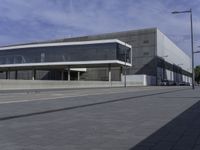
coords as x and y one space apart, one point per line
124 53
89 52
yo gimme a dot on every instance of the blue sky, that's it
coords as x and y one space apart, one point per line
24 21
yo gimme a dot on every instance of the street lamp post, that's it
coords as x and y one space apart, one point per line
192 47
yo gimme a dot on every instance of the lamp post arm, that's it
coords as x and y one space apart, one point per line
197 52
180 12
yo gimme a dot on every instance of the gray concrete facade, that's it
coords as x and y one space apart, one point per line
143 44
153 54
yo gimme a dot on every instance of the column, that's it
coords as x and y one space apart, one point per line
33 74
68 73
164 70
78 75
125 76
7 75
109 74
121 73
62 74
16 74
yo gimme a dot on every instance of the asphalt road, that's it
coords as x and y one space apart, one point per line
139 118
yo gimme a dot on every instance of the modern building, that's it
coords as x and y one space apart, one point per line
143 56
63 61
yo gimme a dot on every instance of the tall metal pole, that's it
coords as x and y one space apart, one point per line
192 46
192 43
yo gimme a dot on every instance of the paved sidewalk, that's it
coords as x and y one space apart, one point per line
182 133
114 119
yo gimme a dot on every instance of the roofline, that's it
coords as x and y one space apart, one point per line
65 44
118 32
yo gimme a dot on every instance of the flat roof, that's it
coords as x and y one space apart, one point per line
65 44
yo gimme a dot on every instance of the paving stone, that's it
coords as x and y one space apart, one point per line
129 120
196 147
163 146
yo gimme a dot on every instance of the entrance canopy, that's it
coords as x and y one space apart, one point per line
83 54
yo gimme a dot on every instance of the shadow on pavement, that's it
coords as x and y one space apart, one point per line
182 133
86 105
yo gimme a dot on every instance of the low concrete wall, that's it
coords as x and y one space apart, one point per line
39 84
139 80
132 80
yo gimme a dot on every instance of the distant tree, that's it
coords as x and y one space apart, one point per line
197 74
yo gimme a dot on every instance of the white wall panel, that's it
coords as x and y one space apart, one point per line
165 47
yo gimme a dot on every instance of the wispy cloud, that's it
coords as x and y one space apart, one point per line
34 20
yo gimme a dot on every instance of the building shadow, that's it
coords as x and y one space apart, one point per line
182 133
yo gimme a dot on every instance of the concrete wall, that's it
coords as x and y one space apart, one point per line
139 80
38 84
165 47
132 80
143 57
143 45
173 64
148 45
